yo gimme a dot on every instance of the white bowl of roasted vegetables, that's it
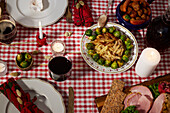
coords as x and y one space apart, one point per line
110 49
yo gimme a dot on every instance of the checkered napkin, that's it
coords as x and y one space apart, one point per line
18 97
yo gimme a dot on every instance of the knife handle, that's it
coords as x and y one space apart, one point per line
71 100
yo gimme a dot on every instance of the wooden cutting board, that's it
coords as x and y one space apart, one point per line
100 100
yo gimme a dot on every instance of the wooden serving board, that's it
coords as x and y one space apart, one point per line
100 100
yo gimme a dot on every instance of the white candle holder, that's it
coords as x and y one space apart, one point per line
3 68
148 61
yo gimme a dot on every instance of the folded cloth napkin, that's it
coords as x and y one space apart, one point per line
82 13
77 14
87 15
18 97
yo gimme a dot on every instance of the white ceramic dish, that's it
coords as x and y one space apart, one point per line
52 11
109 70
48 100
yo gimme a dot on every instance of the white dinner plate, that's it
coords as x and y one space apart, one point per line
52 11
48 100
109 70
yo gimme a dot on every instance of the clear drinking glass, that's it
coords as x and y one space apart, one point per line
60 67
3 68
8 29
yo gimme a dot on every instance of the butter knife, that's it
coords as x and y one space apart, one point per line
71 100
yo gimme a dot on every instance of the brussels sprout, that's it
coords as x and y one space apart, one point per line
130 109
126 17
89 46
127 52
98 31
127 39
125 58
114 65
24 64
122 37
128 42
136 111
88 32
129 46
116 34
91 52
104 30
20 57
120 63
93 37
101 61
95 57
111 29
108 63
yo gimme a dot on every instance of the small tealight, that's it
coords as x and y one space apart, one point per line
57 46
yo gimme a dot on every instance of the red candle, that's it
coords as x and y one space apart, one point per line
41 42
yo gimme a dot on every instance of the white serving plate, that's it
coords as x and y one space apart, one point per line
109 70
20 10
49 100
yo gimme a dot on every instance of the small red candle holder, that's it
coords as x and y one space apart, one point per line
41 42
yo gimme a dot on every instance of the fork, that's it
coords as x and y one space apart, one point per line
69 15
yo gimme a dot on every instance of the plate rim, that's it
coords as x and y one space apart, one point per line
111 23
62 100
50 23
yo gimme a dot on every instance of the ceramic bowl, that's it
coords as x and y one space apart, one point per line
30 63
128 24
109 70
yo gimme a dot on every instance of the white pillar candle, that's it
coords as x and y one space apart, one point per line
147 62
40 31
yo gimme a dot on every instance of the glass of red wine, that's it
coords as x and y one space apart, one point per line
60 67
8 29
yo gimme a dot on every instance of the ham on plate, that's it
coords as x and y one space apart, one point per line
143 90
141 97
161 104
131 99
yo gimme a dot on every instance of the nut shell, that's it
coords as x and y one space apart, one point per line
19 100
18 93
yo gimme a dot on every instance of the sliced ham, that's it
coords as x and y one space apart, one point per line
143 90
127 98
141 97
133 100
144 104
161 103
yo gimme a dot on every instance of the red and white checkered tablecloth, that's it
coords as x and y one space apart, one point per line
87 82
